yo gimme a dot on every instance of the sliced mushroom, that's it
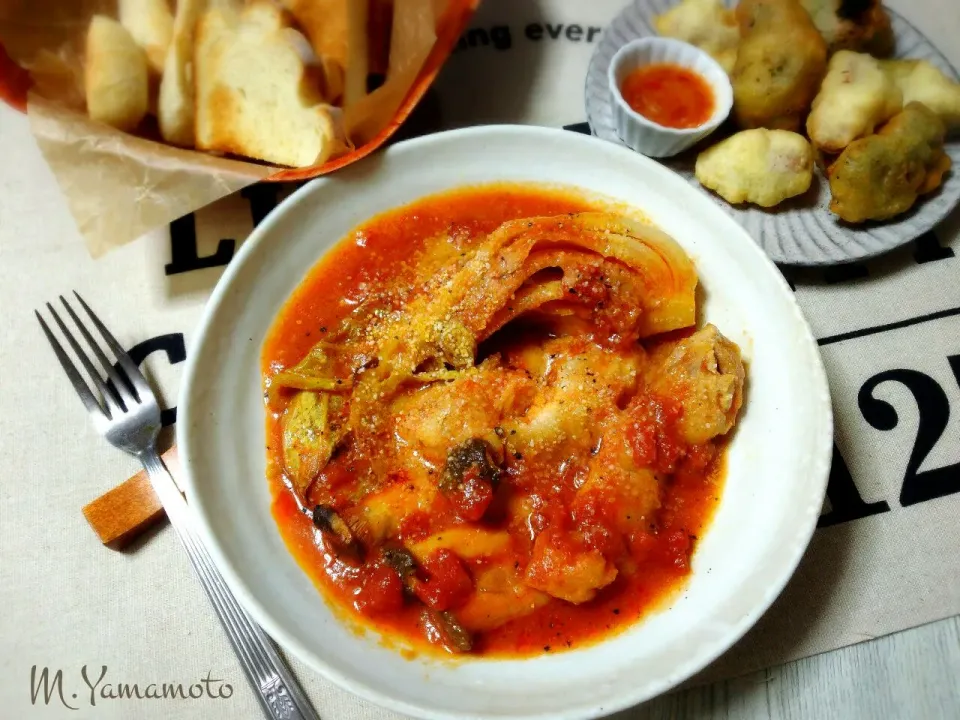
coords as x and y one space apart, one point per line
402 560
336 530
444 628
474 453
439 627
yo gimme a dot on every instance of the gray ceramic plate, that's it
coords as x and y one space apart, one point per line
801 231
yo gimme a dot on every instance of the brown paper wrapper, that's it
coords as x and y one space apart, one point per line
119 186
412 36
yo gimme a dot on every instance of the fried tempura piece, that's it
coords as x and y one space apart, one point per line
856 97
860 25
881 176
781 60
706 24
920 81
764 167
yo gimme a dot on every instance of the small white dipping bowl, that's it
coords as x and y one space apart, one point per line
643 134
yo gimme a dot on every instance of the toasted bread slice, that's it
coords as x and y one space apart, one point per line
115 75
326 74
150 22
252 98
337 30
175 110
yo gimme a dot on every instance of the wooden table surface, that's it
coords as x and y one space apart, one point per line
914 674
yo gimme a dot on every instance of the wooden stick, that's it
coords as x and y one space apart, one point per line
122 514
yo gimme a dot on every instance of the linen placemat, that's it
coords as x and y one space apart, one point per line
887 556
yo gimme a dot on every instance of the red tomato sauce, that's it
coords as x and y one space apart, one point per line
669 95
376 257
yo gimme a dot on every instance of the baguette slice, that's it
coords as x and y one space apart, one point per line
150 22
252 98
175 111
115 75
325 74
337 30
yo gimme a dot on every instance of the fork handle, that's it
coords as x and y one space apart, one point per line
277 690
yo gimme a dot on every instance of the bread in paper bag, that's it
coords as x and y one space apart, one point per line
252 98
337 30
150 23
115 74
175 111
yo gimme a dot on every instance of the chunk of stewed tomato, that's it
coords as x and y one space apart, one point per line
442 582
472 498
679 549
380 590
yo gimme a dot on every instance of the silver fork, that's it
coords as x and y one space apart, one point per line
128 416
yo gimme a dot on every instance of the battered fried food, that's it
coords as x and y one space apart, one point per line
781 60
764 167
881 176
860 25
706 24
920 81
856 97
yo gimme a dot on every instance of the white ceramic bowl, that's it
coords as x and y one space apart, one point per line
645 135
778 461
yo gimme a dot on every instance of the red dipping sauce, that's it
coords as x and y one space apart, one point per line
669 95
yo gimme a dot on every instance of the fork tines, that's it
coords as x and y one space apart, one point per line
124 384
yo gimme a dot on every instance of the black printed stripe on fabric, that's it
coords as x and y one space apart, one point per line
890 326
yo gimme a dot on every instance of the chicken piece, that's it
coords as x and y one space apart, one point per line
859 25
780 63
707 24
617 492
705 372
464 541
579 381
760 166
429 422
920 81
500 597
856 97
564 568
487 610
881 176
379 515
